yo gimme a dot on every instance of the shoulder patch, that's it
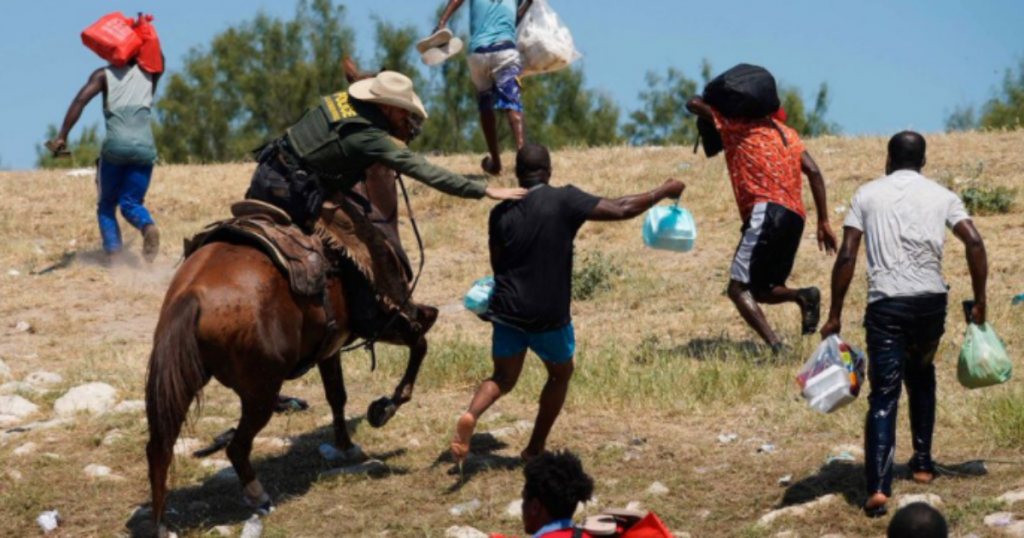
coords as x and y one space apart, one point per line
337 106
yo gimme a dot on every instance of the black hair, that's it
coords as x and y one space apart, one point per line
918 520
558 481
907 150
533 165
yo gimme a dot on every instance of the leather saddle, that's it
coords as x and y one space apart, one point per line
300 257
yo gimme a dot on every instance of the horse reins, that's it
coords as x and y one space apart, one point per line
370 343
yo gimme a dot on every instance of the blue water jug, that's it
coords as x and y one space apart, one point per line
670 228
478 298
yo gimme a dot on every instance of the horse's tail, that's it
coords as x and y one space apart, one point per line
176 376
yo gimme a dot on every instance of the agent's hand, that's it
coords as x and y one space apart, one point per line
501 193
673 189
832 326
978 313
57 147
826 239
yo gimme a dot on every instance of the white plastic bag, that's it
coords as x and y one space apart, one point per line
832 377
544 41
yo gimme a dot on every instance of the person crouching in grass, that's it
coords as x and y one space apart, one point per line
531 244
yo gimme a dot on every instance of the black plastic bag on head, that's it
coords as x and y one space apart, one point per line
745 91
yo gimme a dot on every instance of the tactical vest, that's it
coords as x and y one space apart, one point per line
315 139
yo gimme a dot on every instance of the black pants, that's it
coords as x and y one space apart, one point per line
903 335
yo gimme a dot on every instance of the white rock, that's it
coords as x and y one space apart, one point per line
48 521
927 498
17 406
222 530
185 446
855 450
24 327
1011 497
14 474
18 387
226 475
465 508
787 534
332 455
97 471
8 420
366 467
657 488
94 398
727 438
253 527
514 510
112 437
216 464
25 449
44 379
414 443
14 272
799 510
518 428
5 371
130 406
463 532
786 480
635 505
1000 519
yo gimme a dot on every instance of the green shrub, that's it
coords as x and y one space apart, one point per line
592 275
988 200
1003 416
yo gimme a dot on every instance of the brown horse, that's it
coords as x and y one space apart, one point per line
230 315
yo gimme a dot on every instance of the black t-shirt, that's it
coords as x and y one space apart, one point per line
532 250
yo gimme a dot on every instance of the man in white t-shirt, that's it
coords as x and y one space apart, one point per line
903 217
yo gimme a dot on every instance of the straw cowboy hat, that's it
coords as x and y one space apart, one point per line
389 88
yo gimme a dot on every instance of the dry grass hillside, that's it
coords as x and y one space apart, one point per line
665 366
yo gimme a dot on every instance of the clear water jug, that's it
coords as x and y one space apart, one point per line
478 298
670 228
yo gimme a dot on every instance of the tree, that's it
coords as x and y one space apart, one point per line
664 120
559 111
251 83
84 150
1004 111
451 100
808 123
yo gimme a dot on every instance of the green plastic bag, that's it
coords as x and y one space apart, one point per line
983 359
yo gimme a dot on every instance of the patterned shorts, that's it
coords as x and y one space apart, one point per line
496 76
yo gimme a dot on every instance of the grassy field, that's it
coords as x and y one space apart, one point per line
665 366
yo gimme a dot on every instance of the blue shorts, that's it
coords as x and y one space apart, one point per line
556 347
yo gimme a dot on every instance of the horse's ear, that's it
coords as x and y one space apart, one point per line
351 70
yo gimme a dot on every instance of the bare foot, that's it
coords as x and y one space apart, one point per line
463 433
924 477
875 506
491 167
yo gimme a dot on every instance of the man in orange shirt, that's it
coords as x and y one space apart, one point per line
766 159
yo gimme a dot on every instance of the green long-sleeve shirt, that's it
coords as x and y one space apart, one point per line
341 142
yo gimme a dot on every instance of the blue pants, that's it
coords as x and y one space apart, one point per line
903 335
123 185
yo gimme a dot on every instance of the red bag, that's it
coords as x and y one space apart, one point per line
648 527
113 39
150 57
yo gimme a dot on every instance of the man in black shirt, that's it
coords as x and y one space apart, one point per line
531 243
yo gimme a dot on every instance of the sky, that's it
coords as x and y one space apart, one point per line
890 64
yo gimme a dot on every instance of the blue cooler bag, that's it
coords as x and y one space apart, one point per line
670 228
478 298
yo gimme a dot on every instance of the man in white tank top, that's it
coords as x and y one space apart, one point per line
126 160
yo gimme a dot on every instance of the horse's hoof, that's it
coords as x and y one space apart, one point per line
381 411
257 498
334 456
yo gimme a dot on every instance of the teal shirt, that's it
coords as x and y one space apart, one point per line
492 21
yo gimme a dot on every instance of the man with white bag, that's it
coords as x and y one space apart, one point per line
903 217
495 67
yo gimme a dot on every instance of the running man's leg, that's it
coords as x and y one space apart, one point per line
133 197
508 353
557 349
887 349
483 80
109 183
552 398
751 312
508 92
